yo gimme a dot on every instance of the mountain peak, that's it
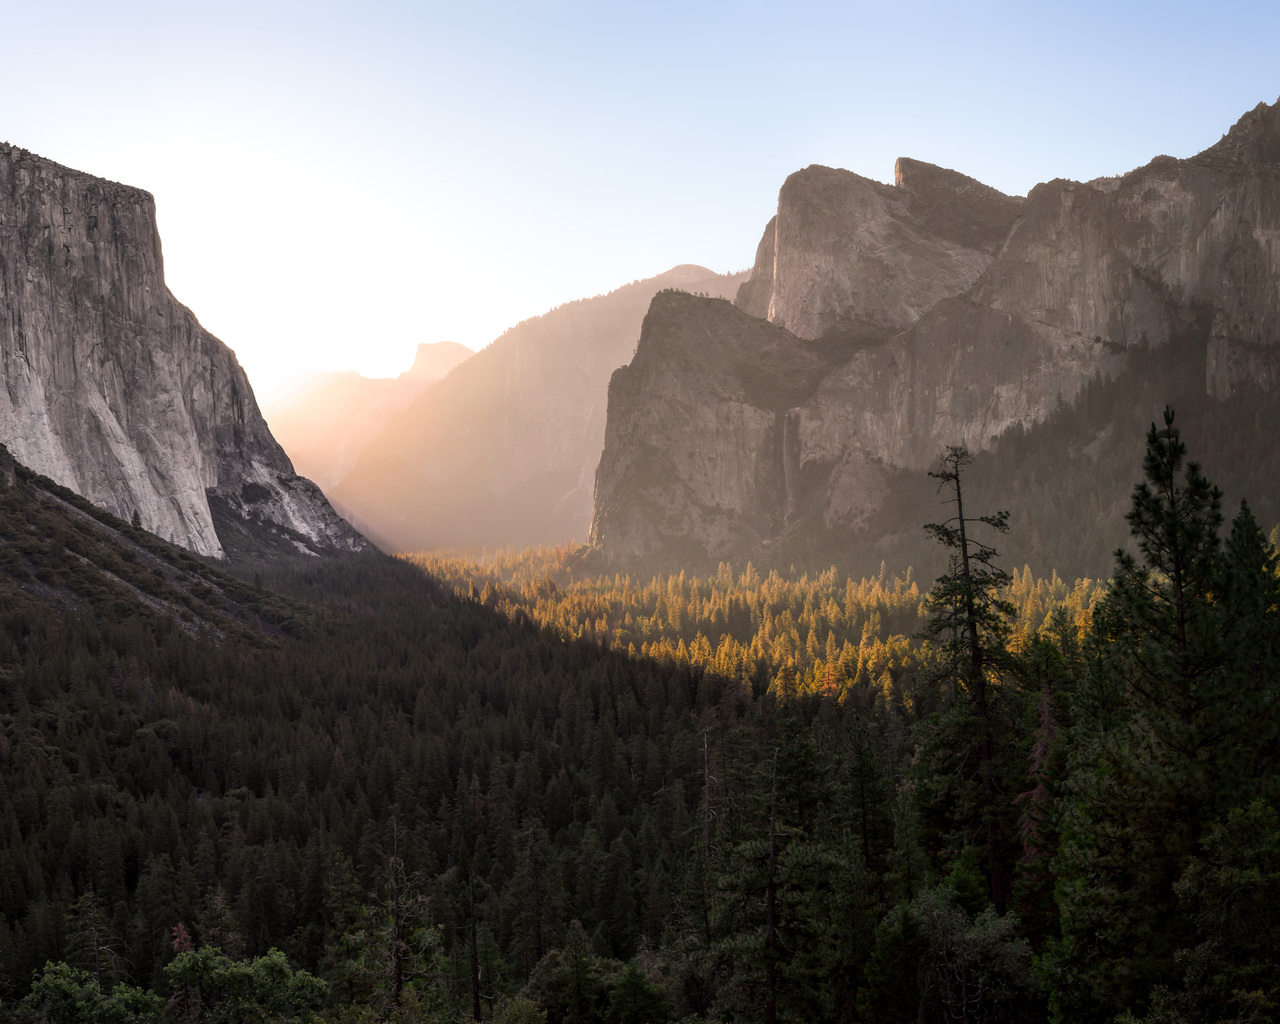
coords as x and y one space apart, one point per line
434 359
1254 139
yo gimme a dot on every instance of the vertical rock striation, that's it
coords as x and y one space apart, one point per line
112 388
849 255
940 312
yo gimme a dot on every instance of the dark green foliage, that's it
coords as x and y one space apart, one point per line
1232 894
934 961
530 796
966 752
635 1000
211 988
969 620
1172 731
65 995
573 984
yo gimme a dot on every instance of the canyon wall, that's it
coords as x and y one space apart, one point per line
941 312
112 388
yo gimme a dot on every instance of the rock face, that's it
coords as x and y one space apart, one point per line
504 449
112 388
947 313
327 420
853 256
712 465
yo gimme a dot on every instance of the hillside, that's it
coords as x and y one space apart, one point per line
325 420
504 450
60 553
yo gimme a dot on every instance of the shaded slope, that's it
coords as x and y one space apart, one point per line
61 551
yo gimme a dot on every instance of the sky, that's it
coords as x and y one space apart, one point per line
337 182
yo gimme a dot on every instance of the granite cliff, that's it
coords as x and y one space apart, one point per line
504 449
113 389
848 255
939 312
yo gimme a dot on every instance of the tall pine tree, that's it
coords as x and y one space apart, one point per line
1170 733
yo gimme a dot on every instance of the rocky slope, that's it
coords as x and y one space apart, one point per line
504 449
113 389
962 315
325 422
849 255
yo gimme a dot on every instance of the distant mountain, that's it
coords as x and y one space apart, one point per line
114 390
326 419
882 323
503 451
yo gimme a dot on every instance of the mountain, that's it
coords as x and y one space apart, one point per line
853 256
326 420
503 451
936 312
114 390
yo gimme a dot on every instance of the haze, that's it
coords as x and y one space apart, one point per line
336 183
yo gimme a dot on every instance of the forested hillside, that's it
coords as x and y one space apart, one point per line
441 791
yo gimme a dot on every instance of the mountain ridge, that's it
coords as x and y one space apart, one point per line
328 418
1083 276
504 450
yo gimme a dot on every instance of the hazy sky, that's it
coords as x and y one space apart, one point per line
337 182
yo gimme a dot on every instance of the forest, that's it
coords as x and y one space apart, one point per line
429 789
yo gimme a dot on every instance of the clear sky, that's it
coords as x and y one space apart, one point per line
337 182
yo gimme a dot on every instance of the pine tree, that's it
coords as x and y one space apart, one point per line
92 947
1170 733
969 623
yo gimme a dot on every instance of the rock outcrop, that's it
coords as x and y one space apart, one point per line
711 463
113 389
947 313
504 450
849 255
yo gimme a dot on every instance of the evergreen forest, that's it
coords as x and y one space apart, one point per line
433 789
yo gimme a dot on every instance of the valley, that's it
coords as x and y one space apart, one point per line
888 633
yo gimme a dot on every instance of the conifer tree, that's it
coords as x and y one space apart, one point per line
93 948
1170 733
969 622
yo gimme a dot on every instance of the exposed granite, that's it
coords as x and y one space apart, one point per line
950 314
849 255
110 386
